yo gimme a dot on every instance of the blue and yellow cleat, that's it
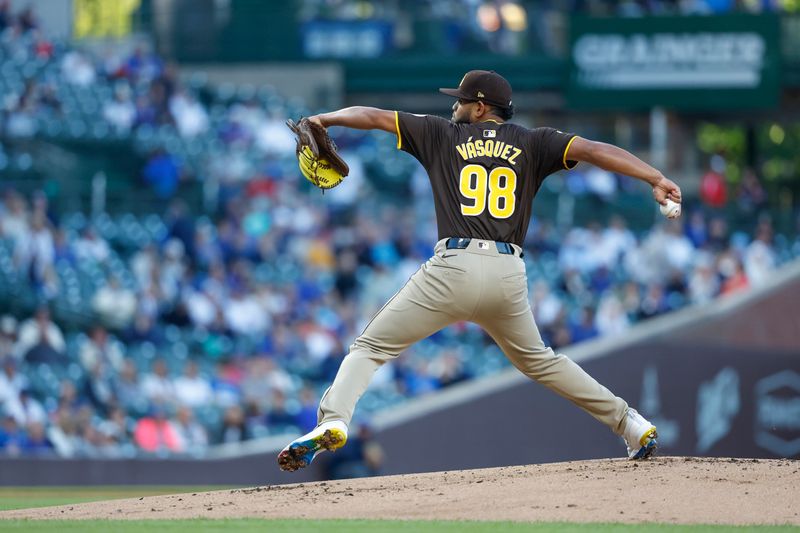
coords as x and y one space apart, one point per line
300 452
640 436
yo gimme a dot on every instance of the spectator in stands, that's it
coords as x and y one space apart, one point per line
157 386
26 409
8 335
751 195
62 249
243 315
448 368
120 111
77 69
11 384
759 257
190 117
279 417
162 172
14 217
193 436
36 253
98 350
146 112
735 279
143 329
62 432
91 247
143 65
611 318
192 389
115 304
36 442
306 417
234 428
156 434
703 281
654 302
582 326
41 340
128 389
118 431
617 240
273 137
713 188
99 388
12 437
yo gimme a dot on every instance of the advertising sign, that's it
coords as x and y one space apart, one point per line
704 62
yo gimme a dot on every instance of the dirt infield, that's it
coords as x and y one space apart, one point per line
665 489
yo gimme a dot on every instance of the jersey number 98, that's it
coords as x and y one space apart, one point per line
495 188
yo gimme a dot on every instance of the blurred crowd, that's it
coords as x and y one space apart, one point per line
170 333
512 27
264 299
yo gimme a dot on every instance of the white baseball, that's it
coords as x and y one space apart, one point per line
671 209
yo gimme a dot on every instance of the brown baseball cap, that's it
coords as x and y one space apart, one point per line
485 85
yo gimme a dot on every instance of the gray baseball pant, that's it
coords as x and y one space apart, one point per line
480 285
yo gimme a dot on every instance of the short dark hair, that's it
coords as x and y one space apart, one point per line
506 113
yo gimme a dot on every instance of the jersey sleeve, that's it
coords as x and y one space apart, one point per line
551 147
419 135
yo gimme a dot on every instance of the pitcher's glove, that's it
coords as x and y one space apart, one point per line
316 154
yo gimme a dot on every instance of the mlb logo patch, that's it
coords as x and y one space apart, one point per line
483 245
489 134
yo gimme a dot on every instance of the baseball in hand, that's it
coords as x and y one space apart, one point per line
671 209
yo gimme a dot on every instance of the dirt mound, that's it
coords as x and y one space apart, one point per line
665 489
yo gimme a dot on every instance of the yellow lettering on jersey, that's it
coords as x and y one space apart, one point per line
488 148
498 148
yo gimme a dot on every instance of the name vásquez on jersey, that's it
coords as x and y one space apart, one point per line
488 148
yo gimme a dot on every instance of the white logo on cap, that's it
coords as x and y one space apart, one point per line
480 95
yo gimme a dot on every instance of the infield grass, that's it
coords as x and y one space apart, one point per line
27 497
358 526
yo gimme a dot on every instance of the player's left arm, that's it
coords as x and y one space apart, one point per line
615 159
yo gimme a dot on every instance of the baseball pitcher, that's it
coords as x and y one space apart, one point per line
484 173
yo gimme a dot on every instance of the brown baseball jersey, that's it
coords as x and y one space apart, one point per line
484 175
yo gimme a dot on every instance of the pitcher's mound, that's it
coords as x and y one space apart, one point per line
664 489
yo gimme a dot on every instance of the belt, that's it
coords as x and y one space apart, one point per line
460 243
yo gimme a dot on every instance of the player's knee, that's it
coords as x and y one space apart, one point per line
374 349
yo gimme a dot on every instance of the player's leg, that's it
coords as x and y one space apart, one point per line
511 324
435 296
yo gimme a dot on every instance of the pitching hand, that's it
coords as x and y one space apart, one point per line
664 189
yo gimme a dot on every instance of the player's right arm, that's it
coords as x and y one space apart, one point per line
616 159
360 118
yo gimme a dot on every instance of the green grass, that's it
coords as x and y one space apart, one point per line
27 497
357 526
